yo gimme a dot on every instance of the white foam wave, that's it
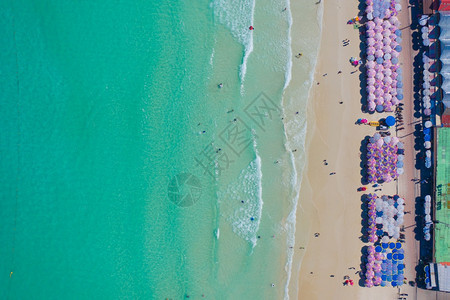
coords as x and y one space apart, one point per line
238 16
245 217
295 134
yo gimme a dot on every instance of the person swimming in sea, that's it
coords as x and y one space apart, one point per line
220 85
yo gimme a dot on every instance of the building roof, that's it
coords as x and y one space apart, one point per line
443 6
443 274
442 209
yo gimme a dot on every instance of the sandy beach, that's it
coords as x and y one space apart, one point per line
331 203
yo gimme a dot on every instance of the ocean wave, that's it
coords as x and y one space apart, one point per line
244 217
237 16
295 131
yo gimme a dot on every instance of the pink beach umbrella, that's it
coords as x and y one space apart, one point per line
378 45
371 72
370 89
368 283
370 81
386 41
387 48
378 36
378 256
370 25
377 267
395 101
377 280
370 273
378 67
370 33
394 140
387 96
393 44
379 76
387 72
380 142
395 54
370 64
386 33
379 101
378 92
378 21
387 79
370 51
371 97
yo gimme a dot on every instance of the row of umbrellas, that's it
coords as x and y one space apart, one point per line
384 75
428 223
427 77
382 8
385 265
383 162
425 31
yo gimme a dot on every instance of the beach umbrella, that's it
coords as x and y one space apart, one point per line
398 245
394 60
400 201
400 145
424 35
427 145
400 266
400 96
427 111
371 106
370 57
394 140
379 60
379 108
370 33
423 20
370 64
378 36
387 139
426 42
390 121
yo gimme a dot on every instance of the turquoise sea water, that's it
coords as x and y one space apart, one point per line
126 171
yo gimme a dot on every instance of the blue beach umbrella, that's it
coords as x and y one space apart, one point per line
383 277
399 78
401 266
398 48
384 245
379 213
392 245
389 278
399 164
401 277
394 283
380 60
398 32
395 256
395 250
399 84
400 96
379 232
427 137
399 283
399 71
379 108
401 256
389 256
394 60
383 283
378 249
394 277
390 121
398 245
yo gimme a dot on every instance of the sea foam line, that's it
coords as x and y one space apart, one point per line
299 138
238 16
